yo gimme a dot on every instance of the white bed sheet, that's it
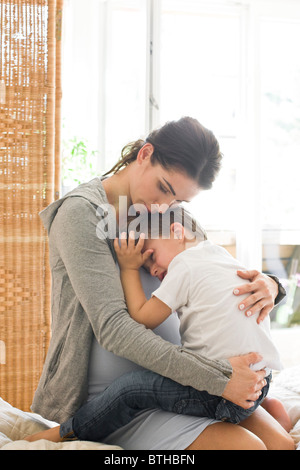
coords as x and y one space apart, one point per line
286 387
16 424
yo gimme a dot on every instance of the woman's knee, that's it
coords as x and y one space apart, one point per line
227 436
282 442
274 436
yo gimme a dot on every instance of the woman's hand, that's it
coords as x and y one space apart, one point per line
130 255
245 385
263 290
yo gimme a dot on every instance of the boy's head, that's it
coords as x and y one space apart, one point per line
167 234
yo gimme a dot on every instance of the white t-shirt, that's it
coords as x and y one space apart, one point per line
199 287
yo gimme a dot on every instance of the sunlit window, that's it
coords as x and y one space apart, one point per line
131 65
199 77
280 123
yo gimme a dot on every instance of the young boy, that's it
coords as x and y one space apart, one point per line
197 281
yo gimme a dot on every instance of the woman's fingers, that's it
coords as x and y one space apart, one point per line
261 385
264 313
262 294
251 358
245 385
248 274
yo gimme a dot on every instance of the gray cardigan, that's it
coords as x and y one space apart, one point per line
87 299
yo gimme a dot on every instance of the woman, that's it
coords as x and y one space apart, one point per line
94 340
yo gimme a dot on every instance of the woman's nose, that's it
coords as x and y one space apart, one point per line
163 206
159 207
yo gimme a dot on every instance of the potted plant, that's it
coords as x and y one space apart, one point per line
78 164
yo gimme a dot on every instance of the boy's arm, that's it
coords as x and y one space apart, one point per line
150 312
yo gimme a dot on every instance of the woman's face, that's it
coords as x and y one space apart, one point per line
153 185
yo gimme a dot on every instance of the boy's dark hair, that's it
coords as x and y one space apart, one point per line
157 224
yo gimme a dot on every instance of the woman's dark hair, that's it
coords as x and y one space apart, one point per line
180 145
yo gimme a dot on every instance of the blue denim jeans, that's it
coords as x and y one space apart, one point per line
142 390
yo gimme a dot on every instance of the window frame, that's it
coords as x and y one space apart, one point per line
249 233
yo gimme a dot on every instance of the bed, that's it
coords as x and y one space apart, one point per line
286 387
16 424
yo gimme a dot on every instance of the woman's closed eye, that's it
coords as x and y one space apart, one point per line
163 189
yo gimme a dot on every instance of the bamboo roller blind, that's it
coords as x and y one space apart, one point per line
29 180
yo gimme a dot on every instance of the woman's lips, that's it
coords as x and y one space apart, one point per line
146 207
152 208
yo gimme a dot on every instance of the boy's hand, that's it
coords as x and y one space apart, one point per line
129 254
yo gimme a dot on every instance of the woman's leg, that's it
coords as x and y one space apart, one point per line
227 436
218 436
263 425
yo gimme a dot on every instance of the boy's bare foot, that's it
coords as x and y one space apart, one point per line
276 409
51 434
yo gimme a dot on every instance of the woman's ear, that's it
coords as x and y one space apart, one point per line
178 230
145 153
